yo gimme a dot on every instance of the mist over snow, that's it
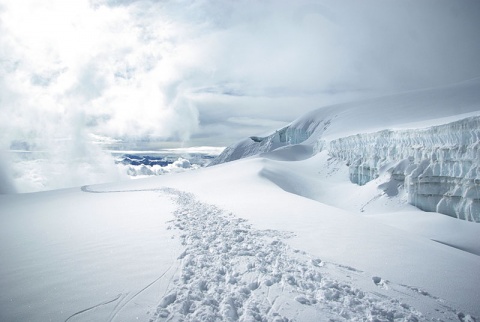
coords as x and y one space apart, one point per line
189 73
323 160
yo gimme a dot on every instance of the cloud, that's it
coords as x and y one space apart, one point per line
138 67
196 72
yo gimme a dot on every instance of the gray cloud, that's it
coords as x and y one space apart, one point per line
211 72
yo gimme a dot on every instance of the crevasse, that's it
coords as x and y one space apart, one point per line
438 166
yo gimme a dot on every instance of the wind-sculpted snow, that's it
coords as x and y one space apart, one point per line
438 166
332 122
293 134
230 271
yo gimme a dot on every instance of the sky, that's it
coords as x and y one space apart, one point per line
196 73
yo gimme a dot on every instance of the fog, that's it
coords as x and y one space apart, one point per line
186 73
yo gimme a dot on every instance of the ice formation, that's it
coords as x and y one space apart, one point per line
427 141
295 133
438 166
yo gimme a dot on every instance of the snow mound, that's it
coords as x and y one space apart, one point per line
295 152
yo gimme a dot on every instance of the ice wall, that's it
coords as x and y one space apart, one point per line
438 166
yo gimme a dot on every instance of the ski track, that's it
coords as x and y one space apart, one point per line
94 307
230 271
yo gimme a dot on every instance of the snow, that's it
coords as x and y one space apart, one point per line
283 235
415 109
437 165
140 249
64 251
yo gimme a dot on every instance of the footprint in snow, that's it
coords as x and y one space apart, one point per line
230 271
380 282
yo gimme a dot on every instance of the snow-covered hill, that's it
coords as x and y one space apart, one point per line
282 236
428 141
415 109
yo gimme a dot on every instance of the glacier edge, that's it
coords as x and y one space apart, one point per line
438 166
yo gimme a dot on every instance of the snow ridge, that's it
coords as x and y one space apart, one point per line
296 132
369 115
438 166
230 271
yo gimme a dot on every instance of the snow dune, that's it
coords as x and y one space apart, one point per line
280 236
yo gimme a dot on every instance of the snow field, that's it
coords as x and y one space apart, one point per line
105 253
231 271
73 256
405 255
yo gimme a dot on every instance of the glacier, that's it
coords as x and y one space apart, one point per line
437 166
296 133
425 142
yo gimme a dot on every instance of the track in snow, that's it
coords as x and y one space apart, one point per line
230 271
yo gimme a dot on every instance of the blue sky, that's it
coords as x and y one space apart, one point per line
190 73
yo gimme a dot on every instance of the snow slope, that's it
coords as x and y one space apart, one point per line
428 141
283 236
226 243
416 109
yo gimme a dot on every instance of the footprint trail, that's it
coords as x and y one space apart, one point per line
230 271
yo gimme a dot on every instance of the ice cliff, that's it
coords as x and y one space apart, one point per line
425 141
437 166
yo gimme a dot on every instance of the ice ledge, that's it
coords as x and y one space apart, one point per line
438 166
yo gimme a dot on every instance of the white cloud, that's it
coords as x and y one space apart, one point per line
132 66
183 70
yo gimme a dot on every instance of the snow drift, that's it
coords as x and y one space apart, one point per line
428 141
